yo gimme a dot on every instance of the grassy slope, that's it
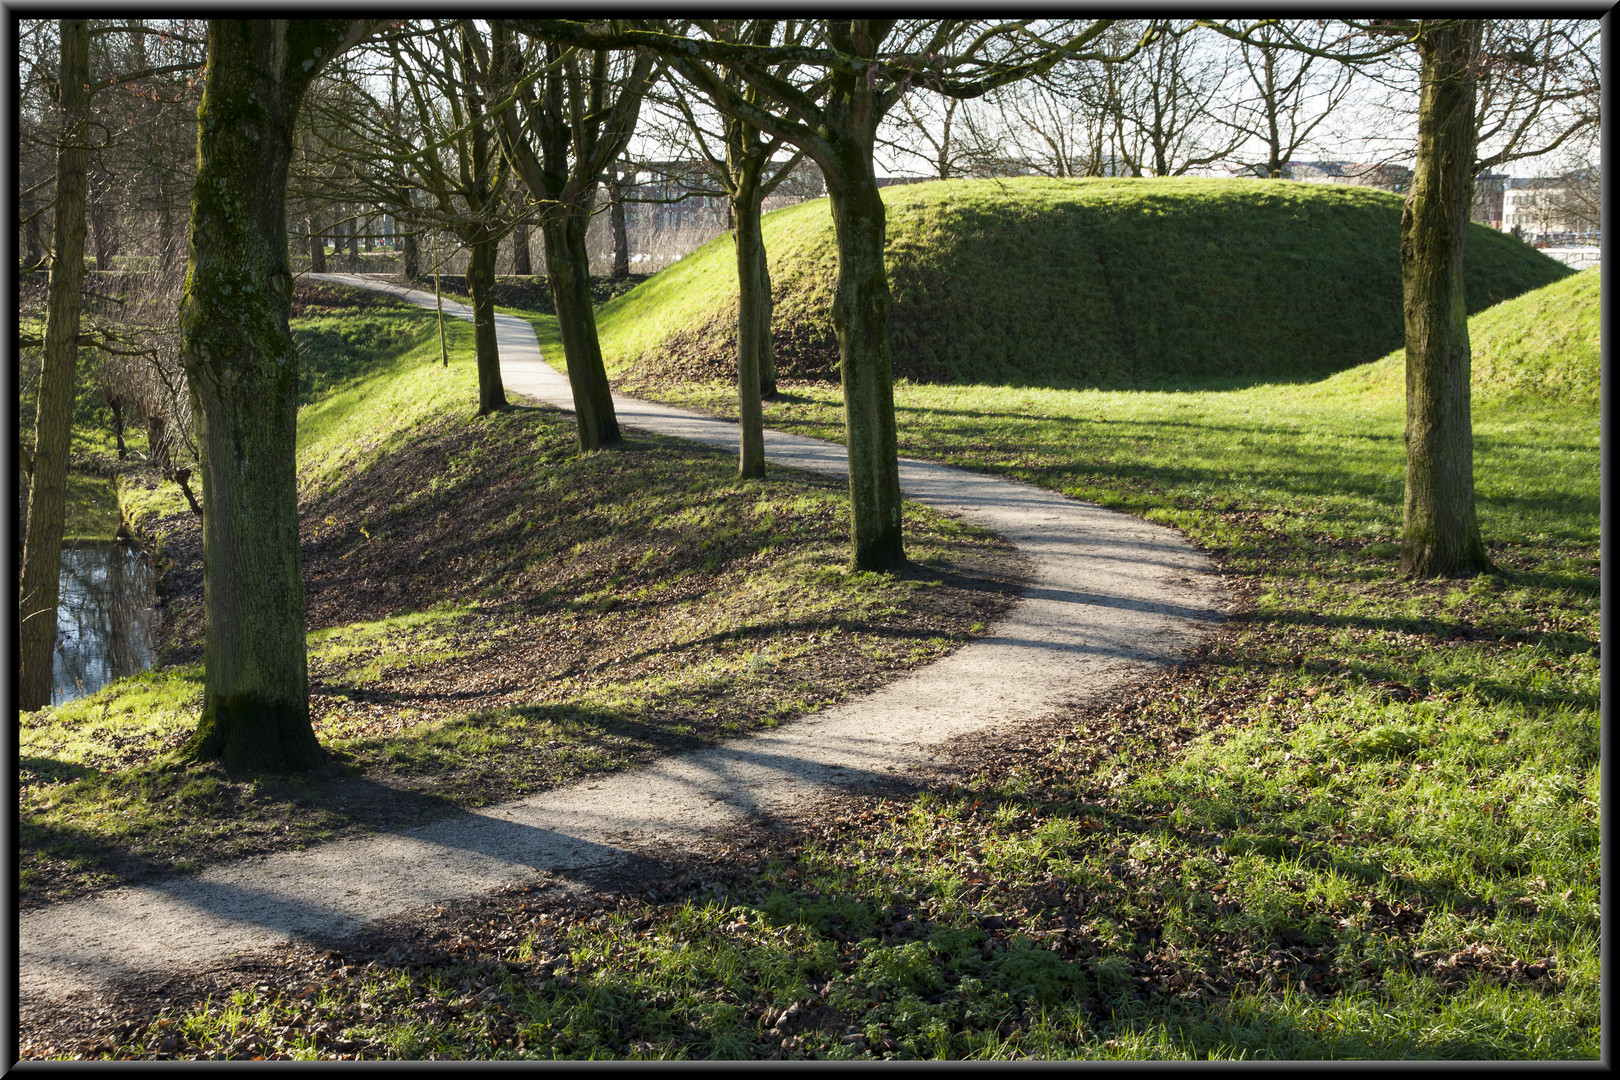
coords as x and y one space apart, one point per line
1365 824
1081 283
490 614
1542 346
1375 832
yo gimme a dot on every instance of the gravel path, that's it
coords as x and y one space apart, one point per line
1110 597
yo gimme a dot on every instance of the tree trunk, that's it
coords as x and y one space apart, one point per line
317 246
481 283
522 265
36 254
117 408
751 307
243 372
767 342
101 227
352 229
1440 536
157 442
411 255
621 236
569 275
861 321
53 422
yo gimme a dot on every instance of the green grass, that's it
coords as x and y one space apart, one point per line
1090 283
1542 345
1364 823
532 616
341 349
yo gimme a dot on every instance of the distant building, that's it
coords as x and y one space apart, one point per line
1488 199
1551 208
1383 175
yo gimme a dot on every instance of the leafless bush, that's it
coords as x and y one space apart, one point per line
140 375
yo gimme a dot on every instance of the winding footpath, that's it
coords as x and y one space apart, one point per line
1110 597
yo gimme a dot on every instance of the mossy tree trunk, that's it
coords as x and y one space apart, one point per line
317 245
53 421
1440 536
481 283
243 372
753 307
860 311
568 275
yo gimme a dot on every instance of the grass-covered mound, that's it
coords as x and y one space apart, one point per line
1546 344
1109 283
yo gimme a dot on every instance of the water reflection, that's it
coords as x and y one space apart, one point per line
106 620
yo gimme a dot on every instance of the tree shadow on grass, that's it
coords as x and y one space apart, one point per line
48 770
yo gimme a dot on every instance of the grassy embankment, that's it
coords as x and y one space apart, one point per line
490 614
1099 283
1364 823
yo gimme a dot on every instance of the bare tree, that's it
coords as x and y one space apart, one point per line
743 160
1164 108
571 115
1539 86
38 593
460 167
868 65
1287 94
938 133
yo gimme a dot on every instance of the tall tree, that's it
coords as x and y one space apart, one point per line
402 125
460 166
743 161
1533 69
1164 107
53 425
243 371
617 178
868 65
570 117
1440 536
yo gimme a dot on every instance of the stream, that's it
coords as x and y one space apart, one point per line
106 619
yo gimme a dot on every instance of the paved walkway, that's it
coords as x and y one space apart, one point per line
1110 597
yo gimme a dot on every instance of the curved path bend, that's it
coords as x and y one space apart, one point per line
1110 597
